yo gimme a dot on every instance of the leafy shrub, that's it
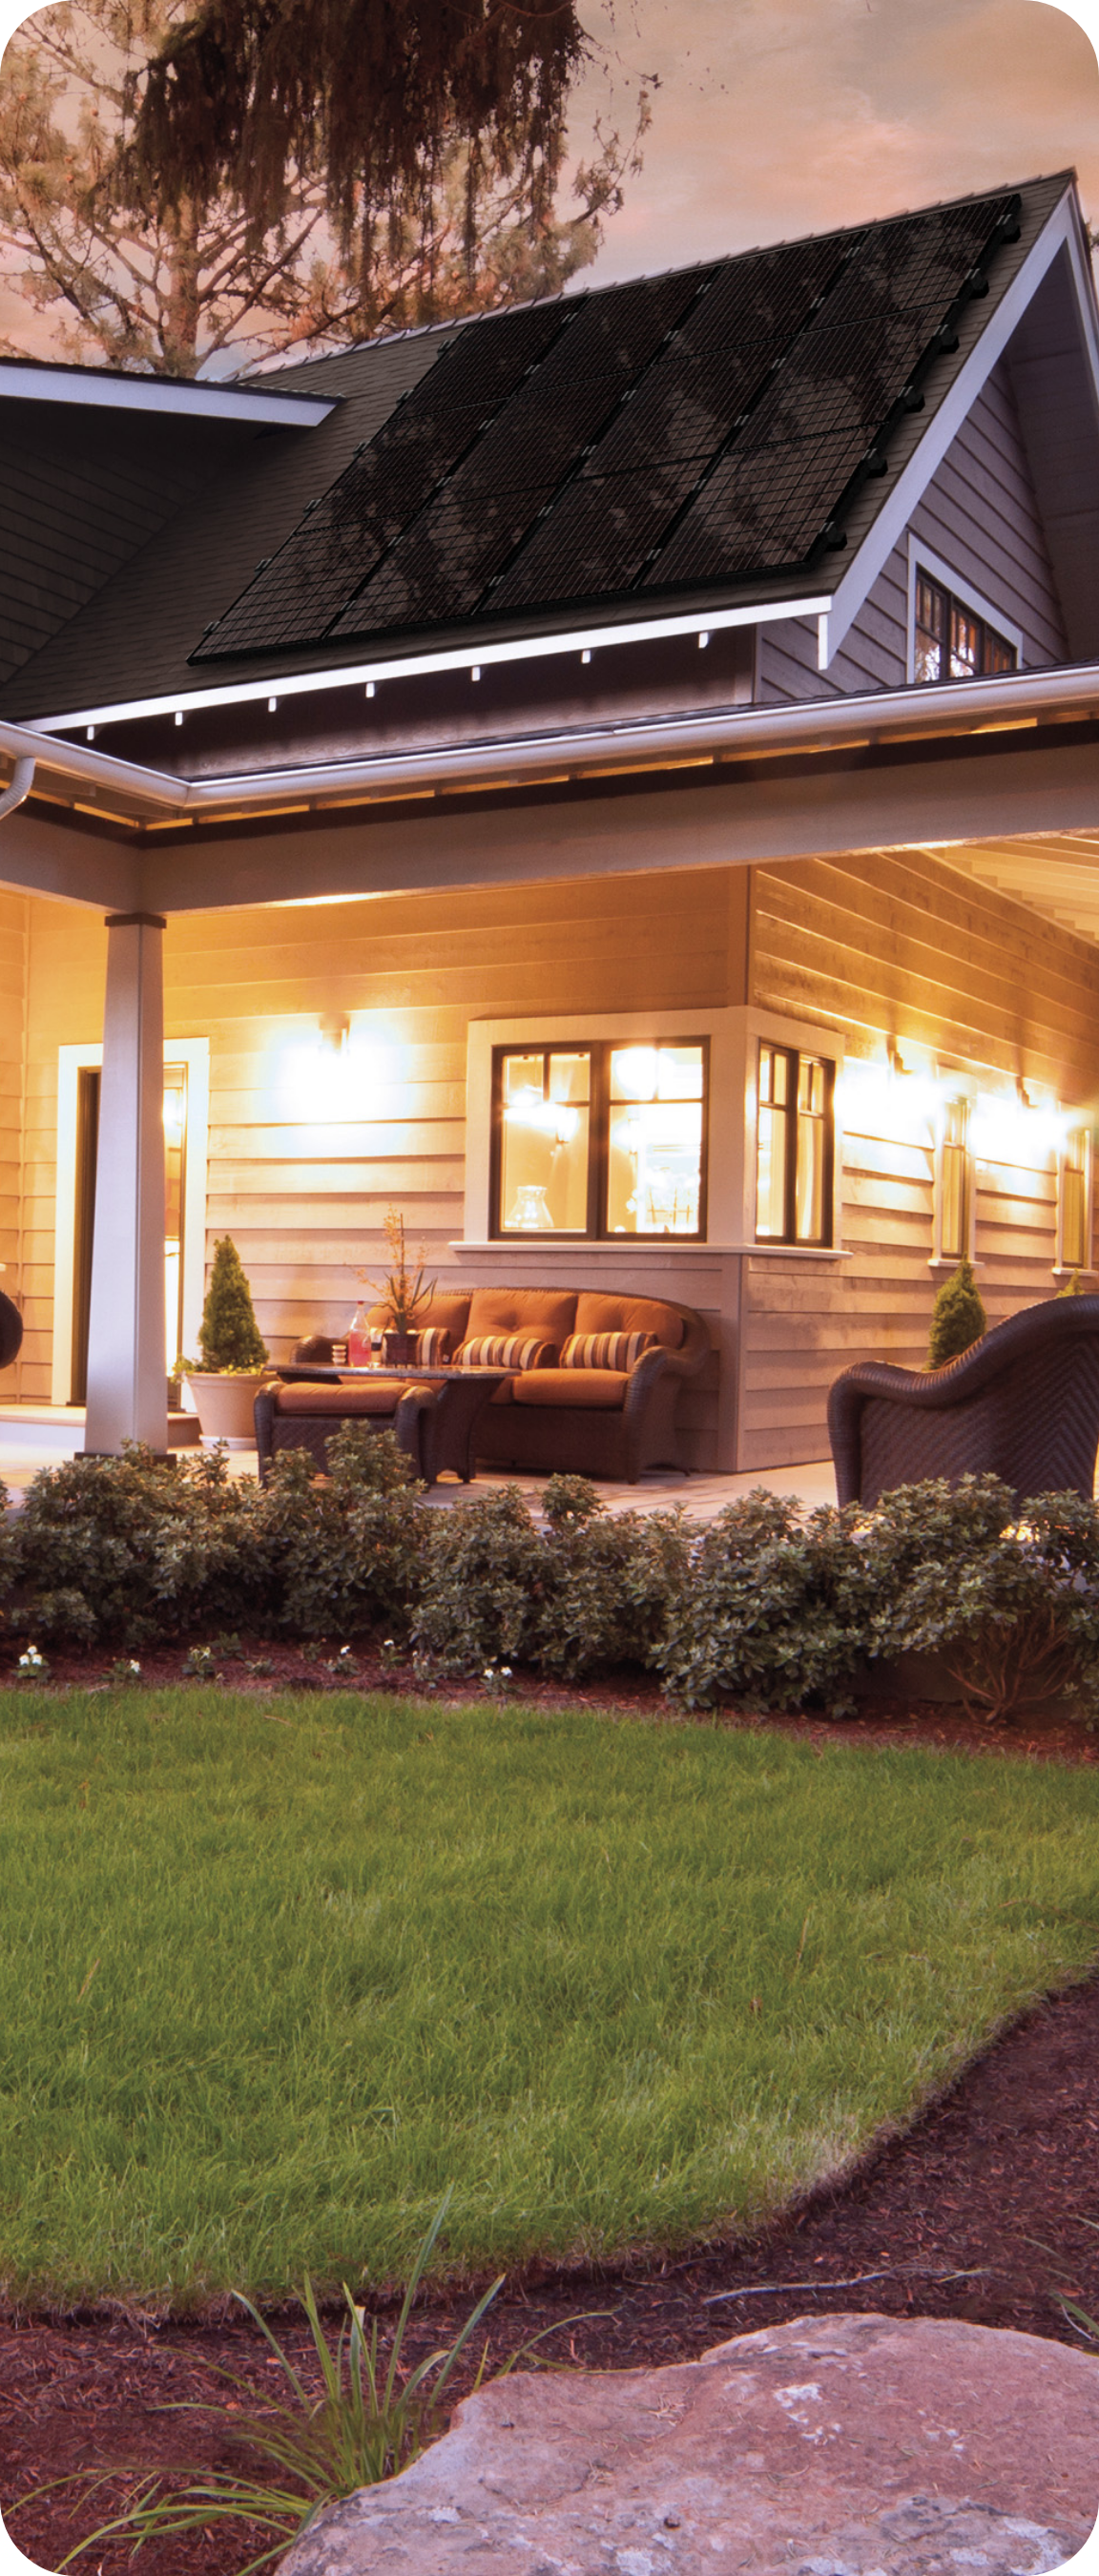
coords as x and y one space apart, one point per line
133 1548
958 1318
611 1583
1011 1604
346 1553
774 1611
483 1587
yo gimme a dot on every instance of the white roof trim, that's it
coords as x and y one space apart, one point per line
465 657
1060 232
160 394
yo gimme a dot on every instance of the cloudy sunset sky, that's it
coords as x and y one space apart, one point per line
772 118
780 117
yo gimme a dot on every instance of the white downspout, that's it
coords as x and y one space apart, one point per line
18 788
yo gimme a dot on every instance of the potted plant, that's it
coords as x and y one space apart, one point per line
402 1293
224 1381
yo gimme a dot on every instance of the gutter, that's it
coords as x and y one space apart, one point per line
124 791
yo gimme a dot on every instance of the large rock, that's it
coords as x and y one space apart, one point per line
833 2446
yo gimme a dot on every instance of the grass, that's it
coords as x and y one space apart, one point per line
276 1972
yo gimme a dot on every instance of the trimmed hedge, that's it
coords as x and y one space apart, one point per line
762 1609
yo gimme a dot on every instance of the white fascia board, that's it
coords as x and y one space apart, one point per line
1061 232
188 401
464 657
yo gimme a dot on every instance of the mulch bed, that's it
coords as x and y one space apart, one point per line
980 2211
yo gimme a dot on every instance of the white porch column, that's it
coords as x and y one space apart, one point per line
127 1370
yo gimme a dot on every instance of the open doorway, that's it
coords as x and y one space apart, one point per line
186 1115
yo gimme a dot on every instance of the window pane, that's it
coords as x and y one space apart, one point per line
999 655
679 1073
954 1230
930 619
810 1225
965 643
544 1143
1074 1198
654 1167
771 1145
634 1072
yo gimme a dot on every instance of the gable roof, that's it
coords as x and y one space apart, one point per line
704 441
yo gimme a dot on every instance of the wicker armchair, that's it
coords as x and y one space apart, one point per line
1022 1404
11 1331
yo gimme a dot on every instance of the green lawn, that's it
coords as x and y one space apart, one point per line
273 1972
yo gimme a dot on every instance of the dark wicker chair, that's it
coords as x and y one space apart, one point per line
1022 1404
11 1331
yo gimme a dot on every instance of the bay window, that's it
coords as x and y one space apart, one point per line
600 1140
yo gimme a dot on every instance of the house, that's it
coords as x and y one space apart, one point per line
618 778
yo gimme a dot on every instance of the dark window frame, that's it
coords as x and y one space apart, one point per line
989 636
790 1239
599 1052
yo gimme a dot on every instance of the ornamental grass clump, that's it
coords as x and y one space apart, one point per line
363 2427
774 1610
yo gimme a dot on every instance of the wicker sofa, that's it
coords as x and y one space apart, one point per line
1023 1404
598 1420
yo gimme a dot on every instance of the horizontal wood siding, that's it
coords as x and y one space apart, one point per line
302 1194
980 515
901 947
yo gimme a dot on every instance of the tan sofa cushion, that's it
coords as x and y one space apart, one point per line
548 1312
381 1395
448 1307
600 1312
584 1390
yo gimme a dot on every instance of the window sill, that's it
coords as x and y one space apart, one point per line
664 1246
943 1265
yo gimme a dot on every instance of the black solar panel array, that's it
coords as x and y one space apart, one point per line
682 430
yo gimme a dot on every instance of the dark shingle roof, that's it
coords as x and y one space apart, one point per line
684 437
694 429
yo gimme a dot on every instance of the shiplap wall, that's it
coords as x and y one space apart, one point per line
980 515
13 941
304 1200
898 946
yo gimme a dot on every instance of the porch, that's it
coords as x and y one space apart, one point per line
37 1436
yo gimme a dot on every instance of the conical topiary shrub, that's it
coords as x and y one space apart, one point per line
229 1336
958 1318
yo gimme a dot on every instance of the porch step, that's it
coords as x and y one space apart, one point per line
46 1432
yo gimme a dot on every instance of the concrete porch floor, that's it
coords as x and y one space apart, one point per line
38 1436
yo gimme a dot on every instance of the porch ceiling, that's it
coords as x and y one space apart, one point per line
1057 875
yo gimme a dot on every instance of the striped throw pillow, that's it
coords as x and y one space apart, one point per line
433 1347
606 1350
506 1350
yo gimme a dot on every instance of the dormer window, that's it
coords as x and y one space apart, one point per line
954 640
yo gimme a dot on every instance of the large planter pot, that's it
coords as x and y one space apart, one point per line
224 1407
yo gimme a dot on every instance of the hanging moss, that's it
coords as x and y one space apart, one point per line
958 1318
229 1336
